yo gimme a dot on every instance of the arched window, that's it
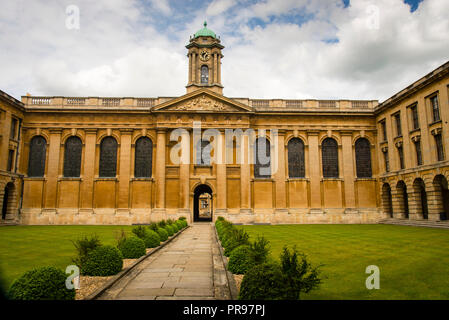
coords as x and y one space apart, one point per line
296 166
36 162
205 74
262 165
143 158
108 158
363 158
329 153
72 157
203 150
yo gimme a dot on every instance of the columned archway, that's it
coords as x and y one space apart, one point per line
419 208
400 201
202 203
438 198
387 204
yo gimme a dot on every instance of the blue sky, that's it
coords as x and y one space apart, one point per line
333 49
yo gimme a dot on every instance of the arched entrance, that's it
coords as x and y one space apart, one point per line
403 198
442 196
202 203
7 200
420 190
386 200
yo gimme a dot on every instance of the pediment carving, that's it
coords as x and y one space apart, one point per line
202 103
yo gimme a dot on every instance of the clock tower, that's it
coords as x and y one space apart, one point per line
204 61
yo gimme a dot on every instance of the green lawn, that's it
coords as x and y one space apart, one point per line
25 247
413 261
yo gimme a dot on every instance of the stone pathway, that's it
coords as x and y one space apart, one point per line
184 270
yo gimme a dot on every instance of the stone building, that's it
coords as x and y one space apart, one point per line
108 160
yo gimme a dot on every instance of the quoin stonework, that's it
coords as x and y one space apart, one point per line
104 160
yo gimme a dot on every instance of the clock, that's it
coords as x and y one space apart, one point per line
204 55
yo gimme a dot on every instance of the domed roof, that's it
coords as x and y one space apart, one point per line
205 32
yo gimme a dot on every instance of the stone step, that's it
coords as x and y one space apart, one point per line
416 223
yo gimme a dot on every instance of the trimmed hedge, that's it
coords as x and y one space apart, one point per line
180 224
163 234
152 239
241 260
132 248
175 227
169 230
45 283
103 261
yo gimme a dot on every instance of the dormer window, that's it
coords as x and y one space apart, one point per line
205 74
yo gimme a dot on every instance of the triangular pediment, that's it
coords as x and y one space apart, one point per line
203 100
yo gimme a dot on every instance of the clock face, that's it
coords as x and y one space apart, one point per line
204 55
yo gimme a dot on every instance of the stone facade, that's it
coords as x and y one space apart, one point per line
156 180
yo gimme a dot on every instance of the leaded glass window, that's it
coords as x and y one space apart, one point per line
363 158
36 162
205 74
262 164
108 158
72 157
296 166
143 158
329 152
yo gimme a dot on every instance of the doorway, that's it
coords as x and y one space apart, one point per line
202 203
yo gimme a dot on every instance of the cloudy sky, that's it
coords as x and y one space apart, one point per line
321 49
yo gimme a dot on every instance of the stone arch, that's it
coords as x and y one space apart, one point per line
8 196
438 198
387 202
203 193
296 158
419 205
401 200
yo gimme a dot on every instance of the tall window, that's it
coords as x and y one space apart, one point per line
387 161
363 158
205 74
397 118
384 130
203 150
108 158
13 128
329 153
415 118
296 166
439 145
401 157
435 108
72 157
36 162
262 165
10 160
143 158
418 153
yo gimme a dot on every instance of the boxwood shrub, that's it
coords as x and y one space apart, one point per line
175 227
169 230
163 234
152 239
180 224
132 248
45 283
103 261
241 260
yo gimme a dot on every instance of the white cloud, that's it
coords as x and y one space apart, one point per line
121 50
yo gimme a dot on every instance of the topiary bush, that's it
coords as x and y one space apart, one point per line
132 248
180 224
45 283
264 282
140 231
83 246
237 238
162 223
103 261
163 234
175 227
152 239
169 230
241 260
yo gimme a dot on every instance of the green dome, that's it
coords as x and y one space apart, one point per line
205 32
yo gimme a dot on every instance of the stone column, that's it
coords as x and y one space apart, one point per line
190 68
125 169
184 173
348 170
279 173
87 183
160 169
51 184
397 199
434 202
194 71
314 171
415 207
245 176
221 172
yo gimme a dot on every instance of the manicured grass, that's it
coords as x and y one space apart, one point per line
413 261
23 248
